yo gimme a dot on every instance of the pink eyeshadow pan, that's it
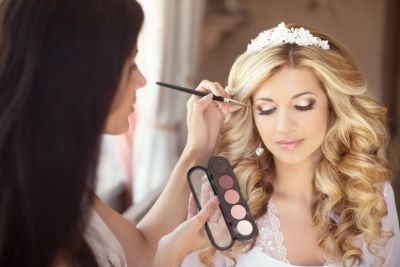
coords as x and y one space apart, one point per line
231 196
225 181
238 212
244 227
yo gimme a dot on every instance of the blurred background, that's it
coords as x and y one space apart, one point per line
185 41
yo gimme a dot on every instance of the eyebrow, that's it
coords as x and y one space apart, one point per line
293 97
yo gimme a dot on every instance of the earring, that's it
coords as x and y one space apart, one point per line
259 151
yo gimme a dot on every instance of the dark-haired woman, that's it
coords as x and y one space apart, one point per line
67 75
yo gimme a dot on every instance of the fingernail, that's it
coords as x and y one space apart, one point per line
215 200
207 97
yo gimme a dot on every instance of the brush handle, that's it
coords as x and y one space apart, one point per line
190 91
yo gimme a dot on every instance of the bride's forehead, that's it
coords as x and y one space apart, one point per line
289 82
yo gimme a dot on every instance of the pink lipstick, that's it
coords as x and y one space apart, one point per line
289 144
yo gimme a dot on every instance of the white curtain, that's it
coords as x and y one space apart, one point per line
168 50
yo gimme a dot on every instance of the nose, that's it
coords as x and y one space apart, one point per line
285 122
141 80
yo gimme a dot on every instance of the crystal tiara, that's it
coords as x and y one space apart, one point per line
283 35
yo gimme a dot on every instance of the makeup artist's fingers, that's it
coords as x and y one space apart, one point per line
221 229
206 212
205 193
216 89
198 106
201 87
187 237
204 120
208 87
212 87
215 217
220 89
225 107
204 86
192 207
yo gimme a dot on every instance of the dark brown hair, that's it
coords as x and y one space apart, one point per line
60 65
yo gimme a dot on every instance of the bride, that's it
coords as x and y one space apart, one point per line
310 157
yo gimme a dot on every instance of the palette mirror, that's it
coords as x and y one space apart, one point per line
216 227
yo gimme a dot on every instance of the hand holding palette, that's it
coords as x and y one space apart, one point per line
236 222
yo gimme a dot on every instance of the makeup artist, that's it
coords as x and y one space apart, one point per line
67 75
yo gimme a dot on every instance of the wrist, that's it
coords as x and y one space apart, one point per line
168 254
194 157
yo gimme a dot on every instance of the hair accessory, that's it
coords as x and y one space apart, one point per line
259 151
283 35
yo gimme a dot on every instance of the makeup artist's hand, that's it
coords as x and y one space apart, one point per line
204 119
187 237
216 222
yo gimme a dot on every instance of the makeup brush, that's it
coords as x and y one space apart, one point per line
200 93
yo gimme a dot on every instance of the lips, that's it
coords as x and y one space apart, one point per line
132 109
289 144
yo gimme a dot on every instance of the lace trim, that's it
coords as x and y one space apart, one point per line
328 260
270 238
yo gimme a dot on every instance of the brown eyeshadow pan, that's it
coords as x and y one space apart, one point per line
219 166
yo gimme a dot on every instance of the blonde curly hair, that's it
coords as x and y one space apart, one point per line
353 167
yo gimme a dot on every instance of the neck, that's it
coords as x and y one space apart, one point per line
295 181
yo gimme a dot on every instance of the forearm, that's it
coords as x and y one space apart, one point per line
171 207
166 257
204 122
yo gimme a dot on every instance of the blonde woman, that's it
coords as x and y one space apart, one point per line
310 155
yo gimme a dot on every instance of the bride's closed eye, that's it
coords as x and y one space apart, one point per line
265 111
305 105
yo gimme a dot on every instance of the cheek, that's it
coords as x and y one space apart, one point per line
316 125
265 129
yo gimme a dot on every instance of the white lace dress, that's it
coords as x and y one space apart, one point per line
270 251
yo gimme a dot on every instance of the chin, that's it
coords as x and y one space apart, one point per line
291 158
123 129
118 129
296 158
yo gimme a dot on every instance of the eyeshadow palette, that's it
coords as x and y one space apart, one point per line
233 221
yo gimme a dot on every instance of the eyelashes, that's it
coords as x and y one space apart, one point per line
307 107
265 111
132 68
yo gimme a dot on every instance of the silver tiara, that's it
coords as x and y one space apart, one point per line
283 35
